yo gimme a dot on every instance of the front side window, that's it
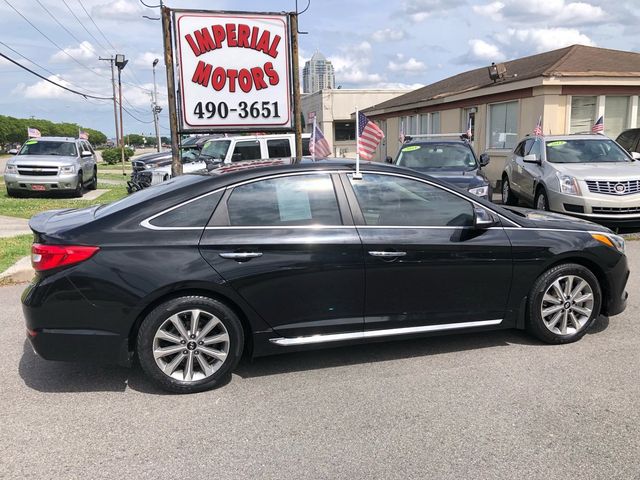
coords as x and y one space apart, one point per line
583 113
585 151
279 148
38 147
387 200
285 201
215 149
437 156
503 128
249 150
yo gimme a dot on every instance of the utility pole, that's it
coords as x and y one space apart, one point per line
156 109
176 166
297 110
113 88
120 63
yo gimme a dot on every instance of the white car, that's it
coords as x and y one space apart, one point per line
235 149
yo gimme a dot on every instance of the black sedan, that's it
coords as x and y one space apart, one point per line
271 256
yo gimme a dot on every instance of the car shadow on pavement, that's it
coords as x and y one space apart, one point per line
66 377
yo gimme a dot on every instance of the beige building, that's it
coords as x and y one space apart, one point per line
333 110
570 88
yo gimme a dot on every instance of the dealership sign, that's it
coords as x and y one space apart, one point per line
234 71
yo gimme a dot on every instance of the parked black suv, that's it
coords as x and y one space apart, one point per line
448 158
630 140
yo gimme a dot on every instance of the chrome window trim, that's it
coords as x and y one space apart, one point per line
338 337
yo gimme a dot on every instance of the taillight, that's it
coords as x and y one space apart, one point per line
46 257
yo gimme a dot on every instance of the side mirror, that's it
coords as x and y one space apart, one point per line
483 218
85 153
388 159
13 151
635 155
484 159
532 158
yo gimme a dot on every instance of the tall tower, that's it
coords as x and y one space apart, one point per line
317 74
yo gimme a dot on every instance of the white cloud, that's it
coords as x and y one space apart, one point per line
388 35
44 90
84 51
351 65
396 85
420 10
545 39
146 59
410 65
556 12
122 10
481 51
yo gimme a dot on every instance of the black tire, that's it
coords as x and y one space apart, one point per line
541 202
77 193
158 317
508 197
535 323
94 180
15 193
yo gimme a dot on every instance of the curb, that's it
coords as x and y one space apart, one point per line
19 272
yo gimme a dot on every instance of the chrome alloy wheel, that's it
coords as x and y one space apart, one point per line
191 345
541 203
567 305
505 191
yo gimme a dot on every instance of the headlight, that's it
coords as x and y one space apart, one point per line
148 166
10 168
568 184
480 191
68 169
610 240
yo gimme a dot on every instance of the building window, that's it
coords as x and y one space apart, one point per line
469 114
344 131
503 125
413 124
435 122
583 114
424 123
616 115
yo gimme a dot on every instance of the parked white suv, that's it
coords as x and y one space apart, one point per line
235 149
588 176
50 165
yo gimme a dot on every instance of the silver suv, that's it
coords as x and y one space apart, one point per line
589 176
52 164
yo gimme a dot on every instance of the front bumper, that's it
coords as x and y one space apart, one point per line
603 208
616 293
54 183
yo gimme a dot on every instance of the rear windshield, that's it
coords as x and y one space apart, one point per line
48 147
585 151
437 156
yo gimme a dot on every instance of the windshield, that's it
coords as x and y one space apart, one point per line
585 151
216 149
440 156
37 147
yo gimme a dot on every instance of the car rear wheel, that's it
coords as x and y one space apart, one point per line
190 344
541 201
94 180
563 303
508 197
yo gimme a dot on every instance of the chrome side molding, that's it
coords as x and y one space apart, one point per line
338 337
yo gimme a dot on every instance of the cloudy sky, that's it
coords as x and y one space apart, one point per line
373 43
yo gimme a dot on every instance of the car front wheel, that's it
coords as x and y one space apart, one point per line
190 344
94 180
508 197
563 303
77 192
541 201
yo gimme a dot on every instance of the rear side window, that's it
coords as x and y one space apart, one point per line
279 148
284 201
249 150
195 213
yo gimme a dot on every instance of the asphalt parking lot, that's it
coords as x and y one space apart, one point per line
481 406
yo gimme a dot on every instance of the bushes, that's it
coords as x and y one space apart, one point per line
113 155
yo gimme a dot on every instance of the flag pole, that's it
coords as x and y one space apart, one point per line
313 140
357 175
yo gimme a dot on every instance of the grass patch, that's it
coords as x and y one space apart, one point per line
115 166
28 207
114 176
14 248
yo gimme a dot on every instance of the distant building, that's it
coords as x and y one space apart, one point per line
317 74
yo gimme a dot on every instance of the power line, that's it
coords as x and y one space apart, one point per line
52 42
85 95
85 28
43 68
96 25
134 117
58 22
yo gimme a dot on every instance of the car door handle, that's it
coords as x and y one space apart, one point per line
384 254
240 255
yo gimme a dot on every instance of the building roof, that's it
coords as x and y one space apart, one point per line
318 57
573 61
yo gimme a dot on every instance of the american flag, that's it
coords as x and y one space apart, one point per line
469 131
401 137
318 145
83 135
369 137
598 126
538 130
33 132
